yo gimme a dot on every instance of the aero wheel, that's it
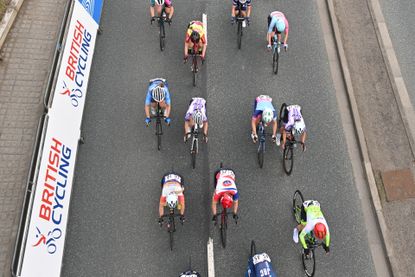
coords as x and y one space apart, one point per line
275 59
193 153
239 34
309 263
162 35
261 154
223 227
298 201
288 159
253 248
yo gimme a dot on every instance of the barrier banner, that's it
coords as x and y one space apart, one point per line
43 249
72 81
93 7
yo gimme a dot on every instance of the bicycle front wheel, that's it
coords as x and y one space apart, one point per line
194 70
171 230
298 201
275 59
261 151
309 263
193 153
223 227
253 248
162 36
239 40
288 159
159 132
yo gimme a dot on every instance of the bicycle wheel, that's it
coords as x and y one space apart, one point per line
253 248
298 201
162 35
194 70
159 131
239 38
309 263
172 229
193 153
275 59
288 159
223 227
261 154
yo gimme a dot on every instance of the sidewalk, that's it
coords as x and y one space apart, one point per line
26 55
388 145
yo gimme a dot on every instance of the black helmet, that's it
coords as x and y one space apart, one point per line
195 37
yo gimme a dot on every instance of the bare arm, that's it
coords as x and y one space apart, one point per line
303 137
286 38
214 205
161 209
204 49
167 113
183 207
151 11
253 126
147 110
235 206
249 11
233 11
274 127
205 128
186 49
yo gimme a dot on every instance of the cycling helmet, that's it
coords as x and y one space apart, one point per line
172 200
198 118
299 127
320 231
280 25
195 37
159 2
242 1
158 93
226 201
267 115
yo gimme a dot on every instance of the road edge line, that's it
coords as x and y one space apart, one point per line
210 257
362 141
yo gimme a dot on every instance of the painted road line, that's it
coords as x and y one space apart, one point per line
211 260
204 20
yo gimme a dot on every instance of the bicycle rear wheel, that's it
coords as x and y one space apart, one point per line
309 263
261 154
193 153
275 59
298 201
253 248
162 35
288 159
239 39
223 227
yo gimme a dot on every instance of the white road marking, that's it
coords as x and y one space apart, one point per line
204 20
211 260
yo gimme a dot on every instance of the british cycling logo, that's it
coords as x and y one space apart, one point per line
88 5
73 94
48 240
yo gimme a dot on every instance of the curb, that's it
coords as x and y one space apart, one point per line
8 20
406 109
362 141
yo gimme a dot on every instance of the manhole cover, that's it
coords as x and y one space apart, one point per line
399 184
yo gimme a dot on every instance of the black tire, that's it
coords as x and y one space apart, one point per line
275 58
194 70
253 248
280 115
309 264
221 165
223 227
239 39
261 155
193 154
288 159
171 230
298 201
159 131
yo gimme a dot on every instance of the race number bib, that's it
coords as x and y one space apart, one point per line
259 258
172 177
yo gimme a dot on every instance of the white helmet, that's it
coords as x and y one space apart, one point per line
158 93
242 1
267 115
160 2
172 200
299 127
198 118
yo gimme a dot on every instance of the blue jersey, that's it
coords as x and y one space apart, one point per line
260 266
154 83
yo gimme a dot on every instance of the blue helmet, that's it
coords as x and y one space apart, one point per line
280 25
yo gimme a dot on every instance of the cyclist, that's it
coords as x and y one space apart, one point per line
312 220
293 124
157 6
277 22
263 110
196 114
225 192
195 34
172 195
157 92
190 273
260 266
244 6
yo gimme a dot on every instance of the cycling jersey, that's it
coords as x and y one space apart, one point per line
274 16
154 83
314 216
197 104
261 103
294 114
167 3
225 183
198 27
241 6
172 183
260 266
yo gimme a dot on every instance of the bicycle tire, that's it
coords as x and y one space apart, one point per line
275 59
283 106
223 227
261 154
253 248
239 38
288 159
162 35
298 201
309 264
194 70
158 134
171 230
193 153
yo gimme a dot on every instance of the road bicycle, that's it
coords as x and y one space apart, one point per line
195 52
162 33
194 147
261 147
223 221
171 226
239 23
309 261
276 49
159 128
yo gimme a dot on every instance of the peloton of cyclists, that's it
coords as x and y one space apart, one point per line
156 6
263 110
196 115
157 92
172 195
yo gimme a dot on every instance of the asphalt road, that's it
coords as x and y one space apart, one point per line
113 228
400 21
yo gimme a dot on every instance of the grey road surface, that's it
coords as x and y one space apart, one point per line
400 21
113 228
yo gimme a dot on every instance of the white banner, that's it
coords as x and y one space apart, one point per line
46 233
72 82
